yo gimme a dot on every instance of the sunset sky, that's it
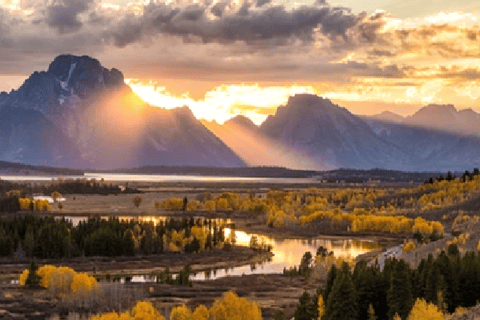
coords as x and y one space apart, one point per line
223 58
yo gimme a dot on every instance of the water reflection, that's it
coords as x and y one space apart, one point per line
156 178
287 252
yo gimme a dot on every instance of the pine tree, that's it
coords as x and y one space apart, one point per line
306 308
33 279
399 296
434 284
332 274
342 300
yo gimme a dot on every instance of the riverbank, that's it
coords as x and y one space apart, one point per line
111 267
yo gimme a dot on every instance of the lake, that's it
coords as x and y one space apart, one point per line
121 177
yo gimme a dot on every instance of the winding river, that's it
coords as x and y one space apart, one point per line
287 252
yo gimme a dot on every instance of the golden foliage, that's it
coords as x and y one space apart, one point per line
193 205
222 204
13 193
210 205
56 195
320 307
395 224
23 277
141 311
25 203
62 280
231 307
44 273
409 246
145 310
173 204
181 313
201 313
41 205
82 283
425 311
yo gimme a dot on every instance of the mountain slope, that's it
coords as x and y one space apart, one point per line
256 149
332 135
80 114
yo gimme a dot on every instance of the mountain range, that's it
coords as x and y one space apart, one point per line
79 114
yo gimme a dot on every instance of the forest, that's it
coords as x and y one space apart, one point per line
53 238
448 284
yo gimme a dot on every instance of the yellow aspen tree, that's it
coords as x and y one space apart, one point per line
371 313
320 307
423 310
201 313
145 310
181 313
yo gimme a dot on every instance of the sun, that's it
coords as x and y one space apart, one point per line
222 102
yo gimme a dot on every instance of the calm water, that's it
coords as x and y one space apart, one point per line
155 178
287 252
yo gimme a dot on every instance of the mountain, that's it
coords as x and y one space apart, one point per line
437 138
80 114
243 122
331 135
446 118
245 139
388 116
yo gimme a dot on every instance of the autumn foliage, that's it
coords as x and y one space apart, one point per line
62 281
229 307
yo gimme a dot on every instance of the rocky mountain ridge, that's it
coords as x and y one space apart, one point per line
81 115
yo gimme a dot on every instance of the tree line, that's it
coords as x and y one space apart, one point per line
53 238
448 282
467 175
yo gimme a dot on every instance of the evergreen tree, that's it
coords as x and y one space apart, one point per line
306 309
342 300
33 279
469 280
29 243
331 275
434 284
399 296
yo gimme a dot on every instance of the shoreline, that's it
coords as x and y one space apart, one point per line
122 266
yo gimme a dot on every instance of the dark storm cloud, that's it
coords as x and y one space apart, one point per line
260 3
64 15
247 23
218 8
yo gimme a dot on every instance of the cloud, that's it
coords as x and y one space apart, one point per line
224 22
227 41
64 15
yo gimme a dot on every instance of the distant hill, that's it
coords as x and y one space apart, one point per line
345 175
333 176
11 168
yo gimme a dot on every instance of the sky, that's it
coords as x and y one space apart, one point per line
227 57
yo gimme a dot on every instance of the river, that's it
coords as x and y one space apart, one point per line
287 252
